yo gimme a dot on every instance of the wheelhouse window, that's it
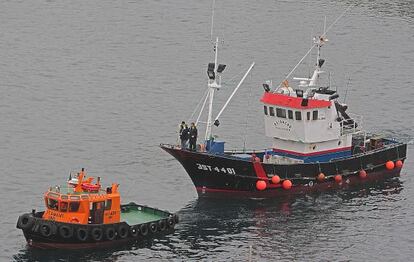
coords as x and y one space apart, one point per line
73 206
265 110
63 206
108 204
308 115
298 115
271 111
290 114
315 115
281 112
52 204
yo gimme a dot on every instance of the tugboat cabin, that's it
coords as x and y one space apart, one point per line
82 202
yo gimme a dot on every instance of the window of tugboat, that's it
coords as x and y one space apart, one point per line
298 115
73 206
290 114
108 204
315 115
281 112
265 110
308 115
271 111
52 204
63 206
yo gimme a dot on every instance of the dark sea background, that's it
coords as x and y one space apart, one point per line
100 84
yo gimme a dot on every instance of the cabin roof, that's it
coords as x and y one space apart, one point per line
292 102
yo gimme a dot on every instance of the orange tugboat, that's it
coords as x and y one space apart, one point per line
83 215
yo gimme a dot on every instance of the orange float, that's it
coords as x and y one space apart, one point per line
275 179
287 184
321 177
338 178
399 164
261 185
363 174
389 165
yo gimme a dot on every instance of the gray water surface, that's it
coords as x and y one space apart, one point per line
99 84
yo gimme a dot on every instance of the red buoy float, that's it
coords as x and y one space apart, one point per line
338 178
321 177
389 165
275 179
287 184
363 174
399 164
261 185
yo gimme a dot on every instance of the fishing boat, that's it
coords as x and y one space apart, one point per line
82 215
317 144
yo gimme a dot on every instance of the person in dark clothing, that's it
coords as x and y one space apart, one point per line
184 135
193 137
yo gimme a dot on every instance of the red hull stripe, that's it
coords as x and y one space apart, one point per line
292 102
314 153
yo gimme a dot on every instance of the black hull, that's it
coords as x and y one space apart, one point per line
224 175
55 240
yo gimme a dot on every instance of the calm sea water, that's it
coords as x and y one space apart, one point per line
99 84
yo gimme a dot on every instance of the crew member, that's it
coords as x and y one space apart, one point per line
184 135
193 137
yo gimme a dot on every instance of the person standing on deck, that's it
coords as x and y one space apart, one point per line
193 137
184 135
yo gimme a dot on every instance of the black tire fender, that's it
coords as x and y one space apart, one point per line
153 227
97 233
162 224
134 231
25 222
82 234
110 233
123 231
47 229
170 222
176 218
65 231
143 229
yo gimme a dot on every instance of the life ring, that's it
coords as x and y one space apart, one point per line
123 231
144 229
90 187
47 229
65 231
110 233
153 227
134 231
162 224
82 234
25 222
170 222
97 233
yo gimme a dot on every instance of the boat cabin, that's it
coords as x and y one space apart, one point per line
82 202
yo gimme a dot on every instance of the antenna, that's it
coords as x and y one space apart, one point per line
316 43
212 20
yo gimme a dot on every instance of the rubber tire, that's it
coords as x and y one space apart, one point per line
66 232
82 234
47 229
123 231
170 222
134 231
110 233
162 224
153 227
143 229
176 218
97 233
25 222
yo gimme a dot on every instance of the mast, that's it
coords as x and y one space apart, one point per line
213 84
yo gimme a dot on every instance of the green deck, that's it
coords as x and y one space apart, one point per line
134 217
